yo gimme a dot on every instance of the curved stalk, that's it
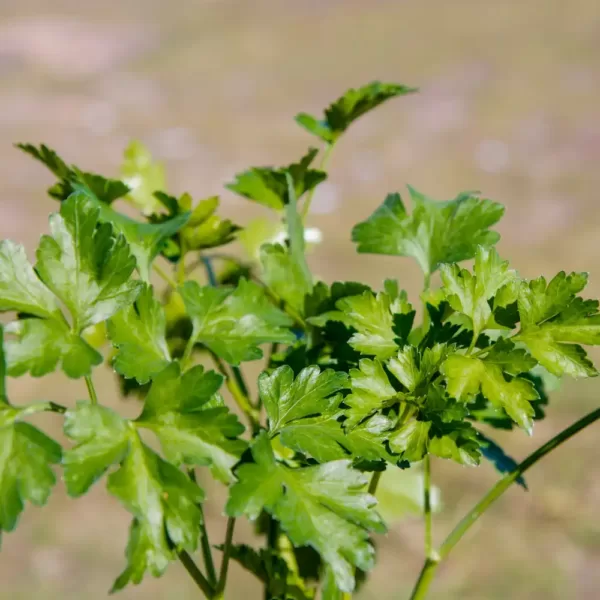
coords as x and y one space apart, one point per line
219 595
196 574
427 506
91 389
431 564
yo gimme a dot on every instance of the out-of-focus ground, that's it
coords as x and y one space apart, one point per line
510 105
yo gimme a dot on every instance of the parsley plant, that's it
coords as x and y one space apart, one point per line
352 385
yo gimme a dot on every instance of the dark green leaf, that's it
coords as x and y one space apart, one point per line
352 105
268 185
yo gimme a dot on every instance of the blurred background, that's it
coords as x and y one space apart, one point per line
509 105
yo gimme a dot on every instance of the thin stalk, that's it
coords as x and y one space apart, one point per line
187 353
431 564
374 482
238 395
427 506
239 378
164 275
91 389
226 556
210 272
195 573
426 286
322 167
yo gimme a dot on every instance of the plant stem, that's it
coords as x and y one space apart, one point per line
226 556
91 389
164 276
238 395
374 482
431 564
210 272
206 552
196 575
323 167
187 353
239 379
427 506
426 286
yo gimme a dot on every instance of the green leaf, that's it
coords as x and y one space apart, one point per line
139 334
164 502
205 229
411 440
20 288
38 346
465 376
287 399
370 315
469 293
285 269
349 107
145 240
26 456
414 370
25 472
322 506
86 266
371 391
144 176
268 185
554 321
434 233
102 440
71 178
191 429
234 324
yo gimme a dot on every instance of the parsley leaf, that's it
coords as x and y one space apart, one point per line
139 334
268 185
469 293
70 178
371 391
434 233
554 321
165 505
234 324
20 288
38 346
190 427
466 375
26 456
322 506
311 392
86 266
349 107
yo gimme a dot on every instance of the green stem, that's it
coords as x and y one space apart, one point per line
426 286
226 556
239 379
427 506
238 395
323 167
196 575
431 564
206 551
164 276
187 353
91 389
374 482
